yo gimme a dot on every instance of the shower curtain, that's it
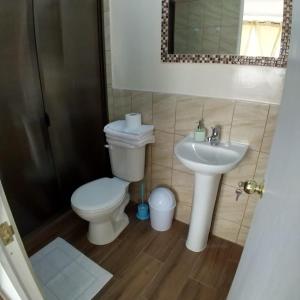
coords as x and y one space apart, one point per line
261 38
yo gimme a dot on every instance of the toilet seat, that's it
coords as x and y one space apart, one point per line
99 195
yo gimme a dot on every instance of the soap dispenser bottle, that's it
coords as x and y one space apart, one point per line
200 133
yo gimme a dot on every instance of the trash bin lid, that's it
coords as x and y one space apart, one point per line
162 199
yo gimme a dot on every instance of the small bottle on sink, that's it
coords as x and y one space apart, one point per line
200 132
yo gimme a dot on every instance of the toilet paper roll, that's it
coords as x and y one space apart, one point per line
133 121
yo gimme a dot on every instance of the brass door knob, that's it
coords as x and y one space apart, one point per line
6 233
251 187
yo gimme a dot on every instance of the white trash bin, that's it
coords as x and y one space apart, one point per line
162 205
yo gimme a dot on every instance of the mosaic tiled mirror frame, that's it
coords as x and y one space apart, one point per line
281 61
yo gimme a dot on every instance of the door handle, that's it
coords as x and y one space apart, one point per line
249 187
6 233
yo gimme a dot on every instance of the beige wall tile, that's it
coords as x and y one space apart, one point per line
173 117
164 112
270 129
225 229
228 208
148 171
177 165
122 103
142 103
122 93
261 167
188 113
219 112
161 176
250 209
110 104
251 111
245 169
183 186
248 124
183 213
242 235
162 149
134 191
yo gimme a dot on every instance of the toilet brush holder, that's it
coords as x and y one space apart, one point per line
143 208
143 212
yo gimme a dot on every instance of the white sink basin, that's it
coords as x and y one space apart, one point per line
208 163
207 159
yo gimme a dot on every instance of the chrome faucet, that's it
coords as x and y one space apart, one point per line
215 137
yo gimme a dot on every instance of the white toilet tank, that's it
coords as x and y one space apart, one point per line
127 149
127 163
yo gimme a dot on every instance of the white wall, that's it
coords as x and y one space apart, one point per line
135 38
264 8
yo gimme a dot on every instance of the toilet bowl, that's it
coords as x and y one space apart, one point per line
102 201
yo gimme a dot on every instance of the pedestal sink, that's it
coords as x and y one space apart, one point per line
208 163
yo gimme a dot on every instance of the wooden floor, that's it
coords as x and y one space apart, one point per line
147 264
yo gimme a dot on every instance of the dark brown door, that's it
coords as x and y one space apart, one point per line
50 61
68 35
26 166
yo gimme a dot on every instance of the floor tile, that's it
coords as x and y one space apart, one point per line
170 281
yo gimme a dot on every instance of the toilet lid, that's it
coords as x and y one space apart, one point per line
99 194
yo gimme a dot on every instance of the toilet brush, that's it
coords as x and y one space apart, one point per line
143 209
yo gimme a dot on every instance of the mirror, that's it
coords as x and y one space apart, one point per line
226 31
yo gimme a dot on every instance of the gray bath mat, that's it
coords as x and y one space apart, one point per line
66 274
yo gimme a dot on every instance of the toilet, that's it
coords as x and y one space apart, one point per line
102 202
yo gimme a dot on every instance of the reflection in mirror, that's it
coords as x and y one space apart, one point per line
234 27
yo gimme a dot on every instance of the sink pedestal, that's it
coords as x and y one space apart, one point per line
208 163
205 193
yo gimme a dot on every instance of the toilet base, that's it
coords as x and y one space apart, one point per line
104 232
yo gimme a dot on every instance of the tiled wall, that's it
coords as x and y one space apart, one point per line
173 117
207 26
